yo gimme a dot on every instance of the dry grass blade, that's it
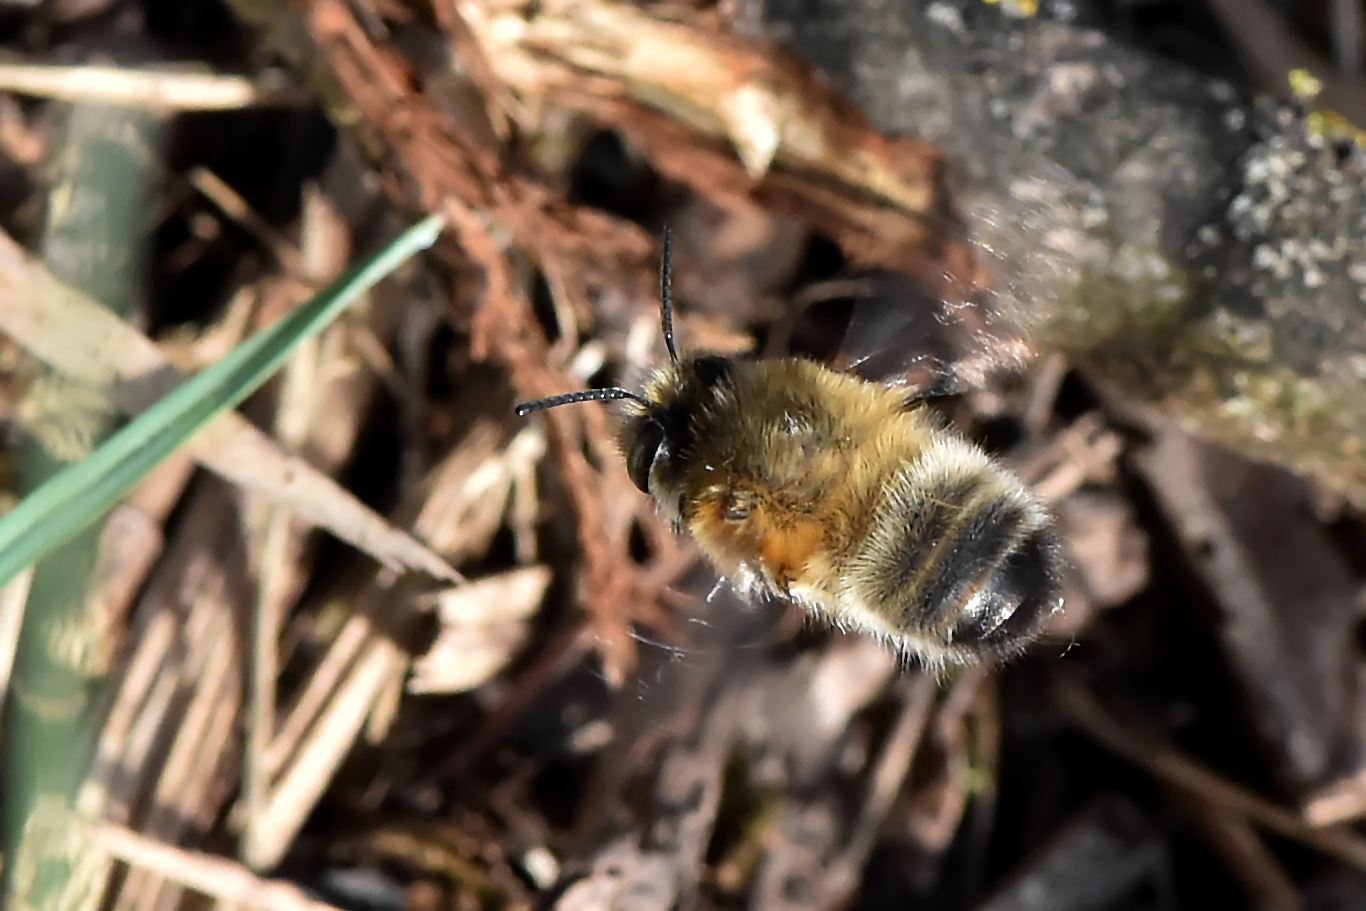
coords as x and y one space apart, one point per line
227 882
97 348
464 497
159 89
937 808
13 597
1084 452
310 770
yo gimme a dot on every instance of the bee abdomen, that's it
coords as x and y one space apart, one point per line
961 562
1008 605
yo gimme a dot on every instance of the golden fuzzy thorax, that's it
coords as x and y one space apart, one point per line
818 487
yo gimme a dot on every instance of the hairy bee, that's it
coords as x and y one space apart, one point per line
841 495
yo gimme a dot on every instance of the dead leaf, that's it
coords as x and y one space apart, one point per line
482 626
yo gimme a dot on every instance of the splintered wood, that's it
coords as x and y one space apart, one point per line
688 92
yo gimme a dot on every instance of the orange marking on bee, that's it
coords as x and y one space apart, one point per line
785 550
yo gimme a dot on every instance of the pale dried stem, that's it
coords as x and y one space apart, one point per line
300 786
265 645
322 684
144 695
163 90
216 877
13 598
212 663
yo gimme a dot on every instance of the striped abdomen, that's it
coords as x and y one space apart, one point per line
960 562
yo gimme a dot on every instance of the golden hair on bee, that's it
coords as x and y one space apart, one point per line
841 495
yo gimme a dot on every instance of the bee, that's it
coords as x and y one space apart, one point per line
843 495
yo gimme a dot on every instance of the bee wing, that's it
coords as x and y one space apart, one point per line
949 330
901 334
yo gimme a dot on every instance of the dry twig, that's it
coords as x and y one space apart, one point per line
1186 775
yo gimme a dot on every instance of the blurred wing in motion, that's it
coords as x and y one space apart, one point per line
949 331
901 335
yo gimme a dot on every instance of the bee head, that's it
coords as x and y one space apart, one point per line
658 425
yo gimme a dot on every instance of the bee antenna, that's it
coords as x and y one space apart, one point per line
570 398
666 304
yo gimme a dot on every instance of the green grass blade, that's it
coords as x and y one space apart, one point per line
75 497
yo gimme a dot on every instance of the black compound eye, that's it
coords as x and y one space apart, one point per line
641 456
